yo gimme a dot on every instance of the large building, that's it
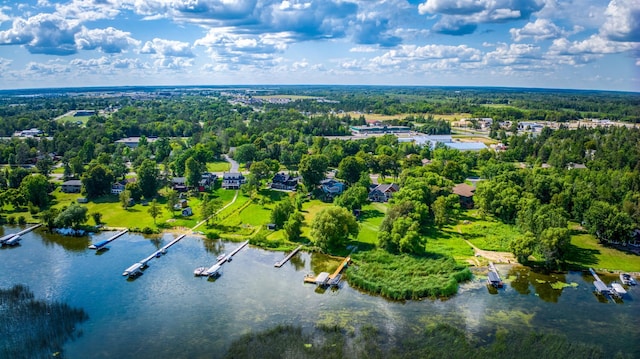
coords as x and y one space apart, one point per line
376 130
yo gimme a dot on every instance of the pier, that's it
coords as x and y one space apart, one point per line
136 269
14 238
286 259
101 245
325 279
214 270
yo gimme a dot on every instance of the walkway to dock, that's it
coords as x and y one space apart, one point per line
14 238
213 270
286 259
102 244
28 229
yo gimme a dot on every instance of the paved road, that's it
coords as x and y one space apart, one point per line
235 167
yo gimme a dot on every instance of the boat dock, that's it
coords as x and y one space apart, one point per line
136 269
101 245
493 277
214 270
325 279
14 238
599 284
286 259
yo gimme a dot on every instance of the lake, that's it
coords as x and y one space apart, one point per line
168 313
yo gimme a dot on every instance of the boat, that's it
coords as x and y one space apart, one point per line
13 240
617 290
221 257
98 245
133 271
493 279
627 279
200 271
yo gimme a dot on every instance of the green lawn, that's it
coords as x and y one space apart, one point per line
585 251
488 234
82 119
218 166
370 220
448 242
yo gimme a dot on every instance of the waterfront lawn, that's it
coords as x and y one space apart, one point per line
585 252
218 166
370 219
448 242
489 234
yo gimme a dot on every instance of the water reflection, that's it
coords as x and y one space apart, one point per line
298 262
547 287
70 243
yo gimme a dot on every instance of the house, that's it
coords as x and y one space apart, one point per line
465 192
179 184
182 204
331 187
284 181
232 180
118 188
72 186
207 181
132 142
383 192
572 166
186 212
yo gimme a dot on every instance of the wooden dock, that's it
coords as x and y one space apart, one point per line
494 277
286 259
14 238
102 244
135 269
326 279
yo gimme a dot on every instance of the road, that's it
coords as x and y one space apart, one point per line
235 167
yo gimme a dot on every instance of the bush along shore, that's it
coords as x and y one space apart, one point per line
404 276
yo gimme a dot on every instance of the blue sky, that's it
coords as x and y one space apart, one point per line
584 44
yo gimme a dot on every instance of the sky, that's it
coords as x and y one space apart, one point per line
576 44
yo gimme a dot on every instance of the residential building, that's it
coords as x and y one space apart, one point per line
383 192
71 186
118 188
284 181
231 180
465 192
331 187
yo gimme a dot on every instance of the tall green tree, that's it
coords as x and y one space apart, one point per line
281 213
125 198
293 226
353 198
73 216
148 178
351 169
193 171
97 180
332 228
154 210
172 200
36 189
313 169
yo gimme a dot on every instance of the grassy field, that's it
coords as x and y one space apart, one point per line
452 117
488 234
219 166
585 251
293 97
82 119
470 138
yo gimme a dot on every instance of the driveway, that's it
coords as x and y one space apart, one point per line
235 167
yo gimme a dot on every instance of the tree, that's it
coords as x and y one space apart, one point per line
148 178
48 217
73 216
351 168
312 169
444 208
97 180
209 208
154 210
36 190
172 200
524 247
16 176
134 190
332 227
44 165
125 198
293 226
245 153
193 172
97 218
260 170
281 213
353 198
553 244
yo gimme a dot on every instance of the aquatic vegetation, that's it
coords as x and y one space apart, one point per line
406 277
32 328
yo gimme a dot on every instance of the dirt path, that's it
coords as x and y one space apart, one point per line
493 256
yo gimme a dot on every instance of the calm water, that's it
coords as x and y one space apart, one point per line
167 312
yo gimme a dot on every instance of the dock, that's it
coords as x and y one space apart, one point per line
101 245
14 238
136 269
214 270
286 259
599 284
325 279
493 277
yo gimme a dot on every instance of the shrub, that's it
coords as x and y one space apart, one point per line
22 220
11 220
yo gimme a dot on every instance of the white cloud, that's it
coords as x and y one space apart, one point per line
595 44
622 21
363 49
43 34
89 10
512 54
167 48
541 29
108 40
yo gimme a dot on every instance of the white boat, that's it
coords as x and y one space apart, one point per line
627 279
617 289
13 240
200 271
134 270
221 257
